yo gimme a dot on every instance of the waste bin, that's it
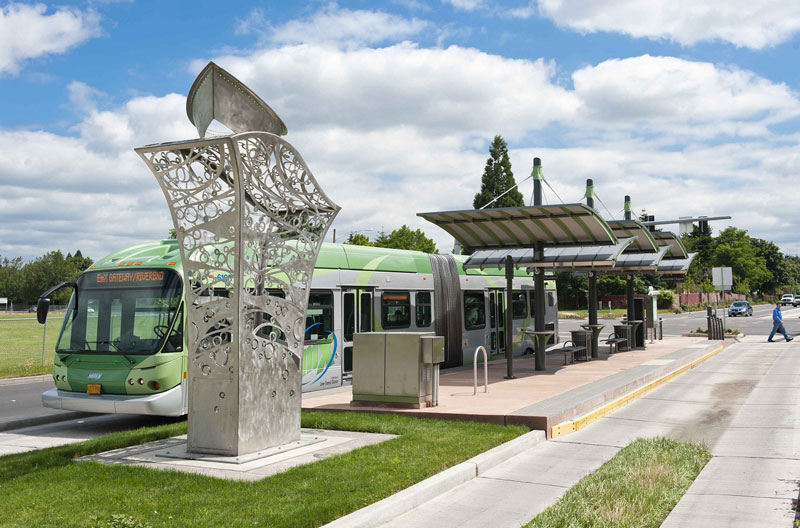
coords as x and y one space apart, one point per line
583 338
624 331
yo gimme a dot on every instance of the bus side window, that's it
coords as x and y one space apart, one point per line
319 316
423 301
396 309
474 310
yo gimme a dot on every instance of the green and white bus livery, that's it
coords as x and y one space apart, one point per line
122 346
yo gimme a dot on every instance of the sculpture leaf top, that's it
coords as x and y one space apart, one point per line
216 94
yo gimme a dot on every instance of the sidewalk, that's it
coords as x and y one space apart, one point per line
740 403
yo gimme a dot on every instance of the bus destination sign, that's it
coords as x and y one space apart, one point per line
128 278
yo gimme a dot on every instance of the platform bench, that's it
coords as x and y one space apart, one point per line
613 343
569 352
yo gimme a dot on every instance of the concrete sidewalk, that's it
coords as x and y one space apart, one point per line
741 403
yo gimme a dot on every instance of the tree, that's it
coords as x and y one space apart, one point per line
735 250
497 179
405 238
358 239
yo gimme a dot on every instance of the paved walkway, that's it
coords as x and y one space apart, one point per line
540 399
741 403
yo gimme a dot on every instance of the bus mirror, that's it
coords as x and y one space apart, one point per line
41 309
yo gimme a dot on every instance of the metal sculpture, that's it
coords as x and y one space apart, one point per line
250 219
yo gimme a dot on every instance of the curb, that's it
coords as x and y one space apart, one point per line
8 425
391 507
571 426
25 379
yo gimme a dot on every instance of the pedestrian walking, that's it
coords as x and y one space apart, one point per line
777 323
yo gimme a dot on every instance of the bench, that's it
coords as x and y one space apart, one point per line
613 342
569 351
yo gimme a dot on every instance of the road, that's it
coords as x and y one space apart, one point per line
760 323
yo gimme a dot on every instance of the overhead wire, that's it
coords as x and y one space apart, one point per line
604 206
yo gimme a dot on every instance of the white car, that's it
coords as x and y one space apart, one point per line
787 298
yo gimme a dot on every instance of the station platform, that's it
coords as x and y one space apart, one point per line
541 400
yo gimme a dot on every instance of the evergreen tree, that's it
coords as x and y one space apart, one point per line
497 179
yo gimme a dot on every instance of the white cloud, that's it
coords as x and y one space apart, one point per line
335 25
682 97
744 23
28 31
466 5
438 90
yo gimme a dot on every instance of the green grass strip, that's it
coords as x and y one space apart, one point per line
48 488
637 488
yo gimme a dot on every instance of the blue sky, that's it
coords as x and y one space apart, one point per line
689 108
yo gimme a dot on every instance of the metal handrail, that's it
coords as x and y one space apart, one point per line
475 371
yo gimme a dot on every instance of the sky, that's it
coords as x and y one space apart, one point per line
691 108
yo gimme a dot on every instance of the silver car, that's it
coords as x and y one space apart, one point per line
740 308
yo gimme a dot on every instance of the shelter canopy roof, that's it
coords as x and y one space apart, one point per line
676 266
523 227
644 241
676 248
566 257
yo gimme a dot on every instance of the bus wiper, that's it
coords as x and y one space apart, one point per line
116 349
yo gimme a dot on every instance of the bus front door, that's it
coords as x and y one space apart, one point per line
357 317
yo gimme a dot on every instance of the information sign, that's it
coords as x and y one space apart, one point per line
723 278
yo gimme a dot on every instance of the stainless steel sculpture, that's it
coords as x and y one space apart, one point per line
250 219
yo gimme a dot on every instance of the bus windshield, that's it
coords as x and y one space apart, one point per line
124 312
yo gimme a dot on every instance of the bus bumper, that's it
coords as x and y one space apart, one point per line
168 403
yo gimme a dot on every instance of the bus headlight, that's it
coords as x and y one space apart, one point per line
141 381
130 381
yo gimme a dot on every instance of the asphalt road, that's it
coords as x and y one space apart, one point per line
22 397
760 323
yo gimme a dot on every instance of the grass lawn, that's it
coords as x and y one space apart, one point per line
636 488
21 344
616 313
47 488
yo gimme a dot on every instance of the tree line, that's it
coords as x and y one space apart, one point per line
23 283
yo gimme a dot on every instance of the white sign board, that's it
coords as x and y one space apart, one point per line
4 300
723 278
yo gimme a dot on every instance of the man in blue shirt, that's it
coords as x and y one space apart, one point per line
777 323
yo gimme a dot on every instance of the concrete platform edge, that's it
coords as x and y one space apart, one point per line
573 425
406 500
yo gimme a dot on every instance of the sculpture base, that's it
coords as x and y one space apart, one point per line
181 451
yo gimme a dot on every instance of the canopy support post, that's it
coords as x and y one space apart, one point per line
509 320
593 311
539 309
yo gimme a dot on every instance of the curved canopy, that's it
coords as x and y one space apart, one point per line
644 241
676 266
676 248
524 227
590 256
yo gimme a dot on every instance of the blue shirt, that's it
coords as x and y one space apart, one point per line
777 316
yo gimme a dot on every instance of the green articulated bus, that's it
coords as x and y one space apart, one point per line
123 346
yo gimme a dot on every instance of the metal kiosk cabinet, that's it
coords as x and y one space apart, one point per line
397 368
